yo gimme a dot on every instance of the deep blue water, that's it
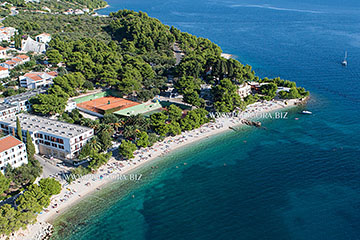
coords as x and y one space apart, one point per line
298 180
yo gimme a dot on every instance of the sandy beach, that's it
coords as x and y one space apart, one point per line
77 190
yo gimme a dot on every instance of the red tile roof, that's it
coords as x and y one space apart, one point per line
10 62
2 68
34 76
8 142
54 74
23 57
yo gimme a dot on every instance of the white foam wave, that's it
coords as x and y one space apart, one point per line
265 6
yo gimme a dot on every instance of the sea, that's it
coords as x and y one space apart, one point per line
298 178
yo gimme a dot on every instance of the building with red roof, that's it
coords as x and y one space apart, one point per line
35 80
12 152
4 72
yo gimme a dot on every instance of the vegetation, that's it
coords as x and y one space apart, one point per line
126 149
66 26
225 95
18 129
270 91
28 205
55 100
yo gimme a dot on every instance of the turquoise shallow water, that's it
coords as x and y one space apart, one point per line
299 179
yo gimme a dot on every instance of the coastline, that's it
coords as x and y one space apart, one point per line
78 190
99 8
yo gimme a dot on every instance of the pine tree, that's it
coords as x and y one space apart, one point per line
18 129
30 147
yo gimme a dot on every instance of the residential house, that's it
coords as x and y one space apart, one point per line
9 64
53 138
4 72
12 152
78 12
20 59
6 33
3 52
244 90
43 38
23 58
34 80
71 105
69 11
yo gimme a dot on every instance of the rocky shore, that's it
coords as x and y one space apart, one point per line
37 231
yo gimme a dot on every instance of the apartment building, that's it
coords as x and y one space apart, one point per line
53 138
7 110
12 152
21 101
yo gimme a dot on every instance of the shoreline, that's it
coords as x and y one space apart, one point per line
99 8
78 190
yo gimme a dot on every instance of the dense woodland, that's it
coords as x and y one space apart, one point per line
133 54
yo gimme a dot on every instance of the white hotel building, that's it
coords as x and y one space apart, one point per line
53 138
12 152
21 101
7 110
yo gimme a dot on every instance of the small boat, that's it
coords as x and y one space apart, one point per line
306 112
344 62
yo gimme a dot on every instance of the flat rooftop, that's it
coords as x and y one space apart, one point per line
103 104
24 96
35 123
4 106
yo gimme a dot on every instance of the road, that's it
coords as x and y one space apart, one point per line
178 53
49 167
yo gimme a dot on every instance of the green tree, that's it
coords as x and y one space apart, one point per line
54 56
18 129
105 140
30 147
50 186
126 149
142 139
4 183
269 90
174 112
33 200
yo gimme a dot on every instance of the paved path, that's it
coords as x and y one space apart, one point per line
49 167
178 53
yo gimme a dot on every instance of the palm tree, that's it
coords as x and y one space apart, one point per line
94 143
106 127
116 126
